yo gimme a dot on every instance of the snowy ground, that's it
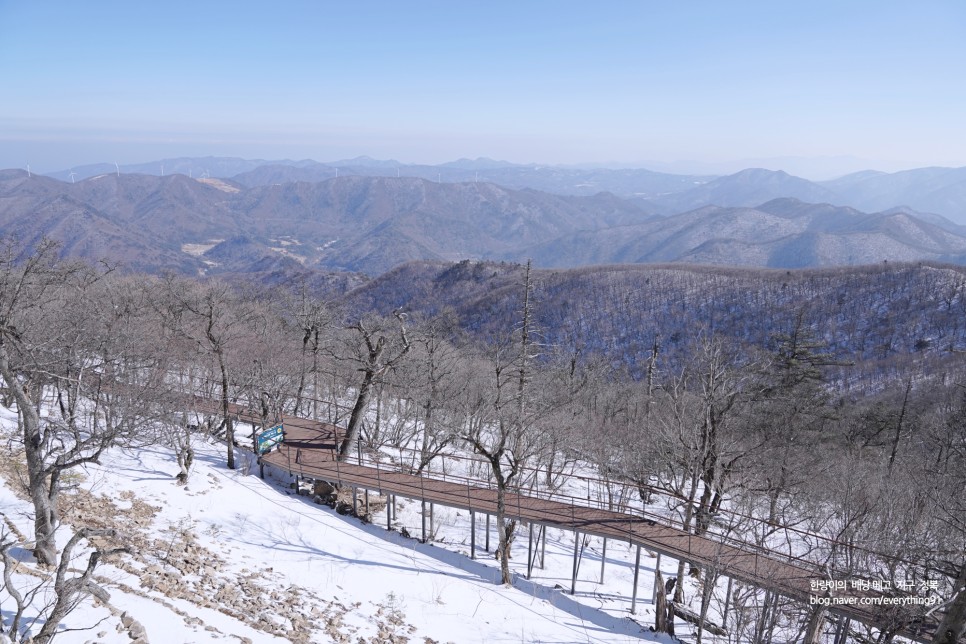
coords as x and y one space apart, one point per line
234 558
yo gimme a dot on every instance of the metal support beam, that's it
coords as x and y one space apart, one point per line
487 546
573 578
355 501
423 514
530 551
637 570
603 559
543 547
431 519
472 535
843 637
388 513
839 623
724 613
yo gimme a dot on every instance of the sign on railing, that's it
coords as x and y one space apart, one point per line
269 438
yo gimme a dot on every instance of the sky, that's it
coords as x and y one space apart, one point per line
873 83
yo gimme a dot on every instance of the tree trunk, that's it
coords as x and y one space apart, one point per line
45 510
816 622
953 625
428 428
69 591
42 495
357 416
229 426
706 590
660 603
186 457
503 548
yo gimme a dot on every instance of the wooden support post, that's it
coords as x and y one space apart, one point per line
637 570
487 547
431 521
530 551
423 514
724 613
472 535
355 501
657 569
573 578
367 500
603 559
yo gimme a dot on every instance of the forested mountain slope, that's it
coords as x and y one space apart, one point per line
877 317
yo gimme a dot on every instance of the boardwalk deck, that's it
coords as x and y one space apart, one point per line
309 451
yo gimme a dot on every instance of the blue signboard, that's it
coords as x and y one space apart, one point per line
269 438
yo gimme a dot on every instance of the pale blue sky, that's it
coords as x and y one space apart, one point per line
545 82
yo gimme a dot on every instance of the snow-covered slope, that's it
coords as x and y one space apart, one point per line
234 558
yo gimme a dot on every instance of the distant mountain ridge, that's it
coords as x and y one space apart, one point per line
939 191
782 233
368 225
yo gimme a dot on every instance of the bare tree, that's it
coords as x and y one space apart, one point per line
433 380
60 336
377 354
67 591
314 320
945 476
507 411
218 322
268 369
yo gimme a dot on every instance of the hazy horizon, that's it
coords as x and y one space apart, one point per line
812 169
840 88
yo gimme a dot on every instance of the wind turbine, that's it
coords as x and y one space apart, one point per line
118 168
162 169
28 169
71 175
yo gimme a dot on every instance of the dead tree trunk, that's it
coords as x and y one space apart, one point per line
953 625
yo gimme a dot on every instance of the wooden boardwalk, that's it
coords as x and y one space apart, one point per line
309 452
